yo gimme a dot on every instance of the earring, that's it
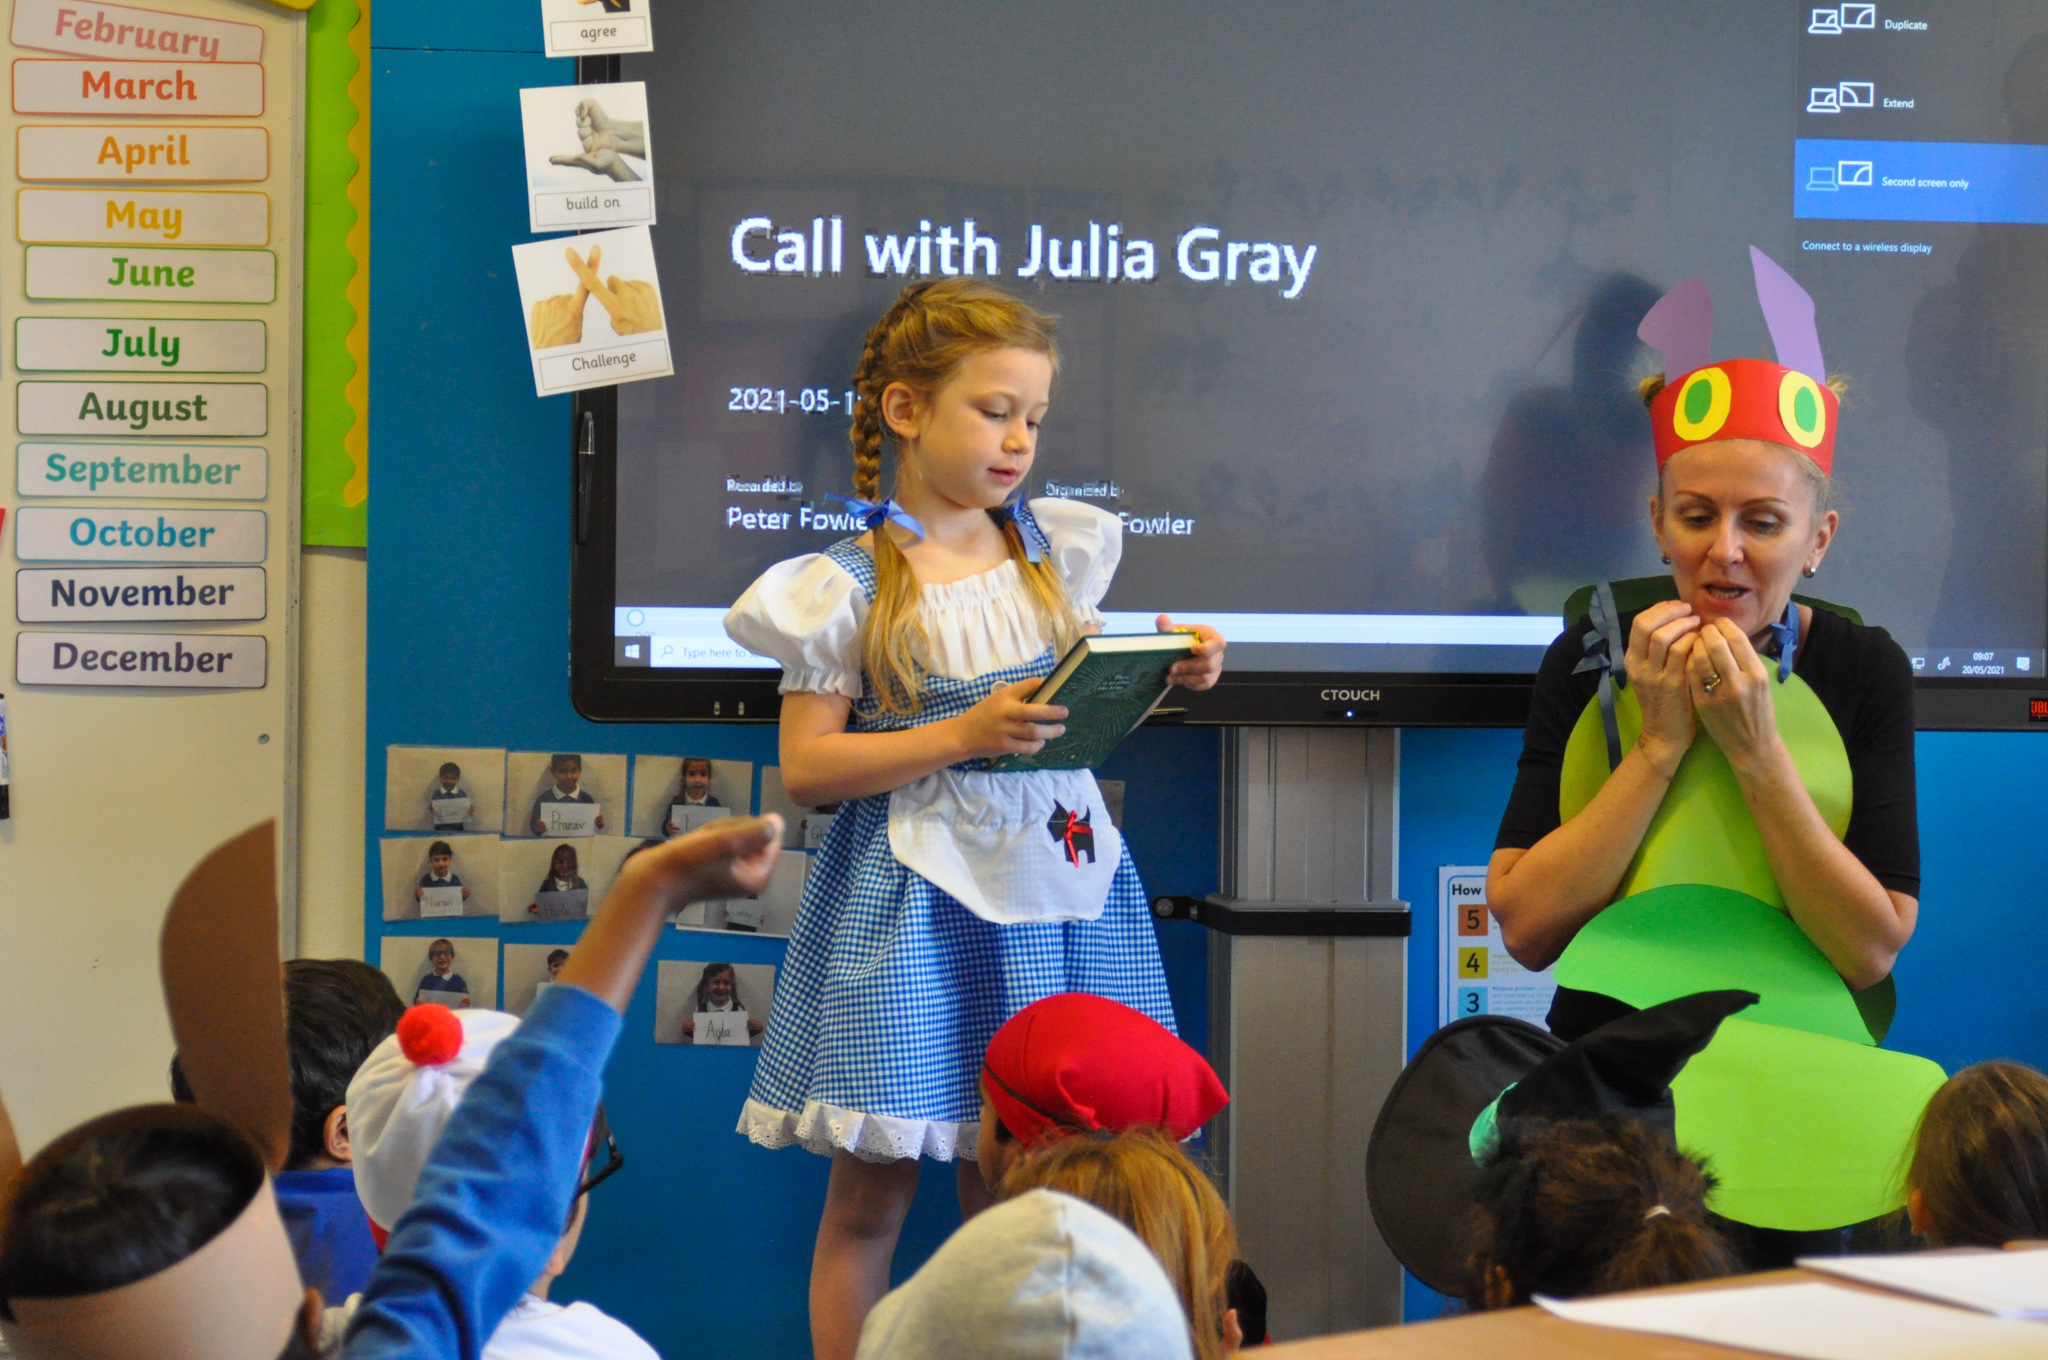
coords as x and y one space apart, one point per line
1807 572
1667 561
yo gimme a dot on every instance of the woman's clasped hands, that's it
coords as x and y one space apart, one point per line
1689 672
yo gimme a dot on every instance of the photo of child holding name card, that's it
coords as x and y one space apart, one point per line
802 827
712 1004
662 784
593 311
530 969
557 878
576 28
564 794
772 913
458 972
425 878
450 789
586 156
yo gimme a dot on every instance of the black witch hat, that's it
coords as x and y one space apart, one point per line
1419 1163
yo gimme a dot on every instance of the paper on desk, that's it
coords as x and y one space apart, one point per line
1814 1322
2010 1284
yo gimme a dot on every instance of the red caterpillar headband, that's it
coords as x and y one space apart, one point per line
1782 403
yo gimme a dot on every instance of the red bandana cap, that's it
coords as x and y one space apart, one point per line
1083 1063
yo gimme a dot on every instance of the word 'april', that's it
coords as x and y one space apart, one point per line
1101 252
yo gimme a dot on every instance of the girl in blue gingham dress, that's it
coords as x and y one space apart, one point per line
946 896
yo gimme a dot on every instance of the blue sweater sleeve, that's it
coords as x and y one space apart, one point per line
494 1197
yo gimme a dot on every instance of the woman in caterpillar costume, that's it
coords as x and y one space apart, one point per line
1716 792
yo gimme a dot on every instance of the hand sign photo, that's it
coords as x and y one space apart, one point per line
593 309
587 159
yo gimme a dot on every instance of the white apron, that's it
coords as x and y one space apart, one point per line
1032 845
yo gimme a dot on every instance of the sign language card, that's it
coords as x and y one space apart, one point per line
593 310
574 28
586 156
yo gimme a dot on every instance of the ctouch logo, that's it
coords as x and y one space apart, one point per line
1351 696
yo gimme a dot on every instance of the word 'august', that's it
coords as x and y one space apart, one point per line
138 413
1101 252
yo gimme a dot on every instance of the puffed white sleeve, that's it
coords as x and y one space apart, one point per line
1087 543
805 613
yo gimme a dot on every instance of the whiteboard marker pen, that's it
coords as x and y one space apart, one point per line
4 813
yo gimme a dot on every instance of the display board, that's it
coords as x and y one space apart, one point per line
151 353
1348 304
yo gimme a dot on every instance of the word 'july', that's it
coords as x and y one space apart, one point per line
135 346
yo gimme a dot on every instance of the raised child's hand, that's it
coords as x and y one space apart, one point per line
731 857
1005 724
1205 667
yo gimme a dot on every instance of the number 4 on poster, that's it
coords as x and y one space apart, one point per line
1475 973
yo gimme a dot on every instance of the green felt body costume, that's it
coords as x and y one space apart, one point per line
1805 1121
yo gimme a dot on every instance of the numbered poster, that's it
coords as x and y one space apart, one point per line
1476 974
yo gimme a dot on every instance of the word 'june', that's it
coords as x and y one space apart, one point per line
1202 254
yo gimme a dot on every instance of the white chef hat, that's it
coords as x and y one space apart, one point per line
402 1096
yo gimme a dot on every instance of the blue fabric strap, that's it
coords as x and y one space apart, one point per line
1605 653
1015 511
1785 640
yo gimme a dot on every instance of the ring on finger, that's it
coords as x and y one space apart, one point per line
1712 680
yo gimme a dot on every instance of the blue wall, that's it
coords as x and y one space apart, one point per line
470 472
471 482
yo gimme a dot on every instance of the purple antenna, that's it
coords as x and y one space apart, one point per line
1788 311
1682 326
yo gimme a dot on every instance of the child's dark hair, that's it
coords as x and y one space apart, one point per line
556 956
449 767
336 1011
1588 1206
120 1198
440 848
712 970
1980 1158
705 761
561 758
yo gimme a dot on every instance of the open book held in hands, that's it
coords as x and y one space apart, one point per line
1108 683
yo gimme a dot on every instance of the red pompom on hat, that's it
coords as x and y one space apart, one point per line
1078 1063
429 1035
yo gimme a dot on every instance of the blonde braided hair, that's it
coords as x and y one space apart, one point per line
925 335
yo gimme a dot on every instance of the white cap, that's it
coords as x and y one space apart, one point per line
403 1094
1044 1276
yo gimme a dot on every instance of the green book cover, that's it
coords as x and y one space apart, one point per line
1108 683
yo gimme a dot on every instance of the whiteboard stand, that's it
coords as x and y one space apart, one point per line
1308 1005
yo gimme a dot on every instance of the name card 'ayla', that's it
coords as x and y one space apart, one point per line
153 89
137 344
64 533
139 594
93 273
188 660
92 30
215 410
142 154
222 217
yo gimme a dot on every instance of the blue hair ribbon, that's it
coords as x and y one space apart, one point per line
1013 511
874 513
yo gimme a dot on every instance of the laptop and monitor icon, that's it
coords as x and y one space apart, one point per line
1841 175
1850 94
1841 19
